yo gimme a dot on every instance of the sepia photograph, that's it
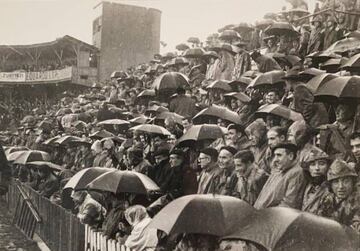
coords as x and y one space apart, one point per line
180 125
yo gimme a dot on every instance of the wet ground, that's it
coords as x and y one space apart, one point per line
12 239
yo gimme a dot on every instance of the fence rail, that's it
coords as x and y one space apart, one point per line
57 227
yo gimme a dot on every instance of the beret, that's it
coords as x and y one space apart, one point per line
230 149
286 145
212 152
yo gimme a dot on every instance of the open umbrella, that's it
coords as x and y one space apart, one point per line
139 120
40 164
196 52
215 111
281 111
31 155
145 94
352 64
268 78
281 28
123 182
151 129
340 87
263 24
118 122
229 35
13 149
168 55
176 117
64 140
289 60
51 141
201 132
203 214
28 119
322 56
332 65
182 47
310 73
344 45
240 84
178 61
251 74
319 80
298 12
239 96
280 228
220 85
101 134
82 178
170 80
226 47
243 27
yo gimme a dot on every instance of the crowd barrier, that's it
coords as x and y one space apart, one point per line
57 227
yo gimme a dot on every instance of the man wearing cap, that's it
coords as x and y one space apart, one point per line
315 166
182 104
209 170
285 186
341 203
223 184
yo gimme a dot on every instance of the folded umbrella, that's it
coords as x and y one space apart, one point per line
201 132
220 85
123 182
203 214
170 80
280 228
150 129
281 111
31 155
215 111
82 178
319 81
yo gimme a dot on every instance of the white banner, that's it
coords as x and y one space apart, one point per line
45 76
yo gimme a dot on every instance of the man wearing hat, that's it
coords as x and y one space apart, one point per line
161 172
242 61
286 184
315 166
341 203
209 170
226 164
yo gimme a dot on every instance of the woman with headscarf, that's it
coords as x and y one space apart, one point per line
142 237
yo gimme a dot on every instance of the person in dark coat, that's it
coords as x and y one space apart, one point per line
49 183
264 63
182 104
209 170
5 172
316 39
331 34
161 172
137 162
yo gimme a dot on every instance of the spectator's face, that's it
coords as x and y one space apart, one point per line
240 166
159 158
232 135
318 168
175 160
271 98
343 113
342 187
225 159
204 160
355 147
273 138
282 159
233 104
186 124
255 137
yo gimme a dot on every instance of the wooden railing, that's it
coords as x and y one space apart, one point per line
57 227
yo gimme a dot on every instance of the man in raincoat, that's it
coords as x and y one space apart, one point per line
209 170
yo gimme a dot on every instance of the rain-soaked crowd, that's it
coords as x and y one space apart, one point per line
274 128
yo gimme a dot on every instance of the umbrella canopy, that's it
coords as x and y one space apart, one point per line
298 11
229 35
263 24
226 47
123 182
289 60
64 140
352 64
281 111
203 214
310 73
202 132
148 93
240 84
251 74
344 45
82 178
178 61
239 96
243 27
332 65
15 149
14 155
31 155
319 81
51 141
182 47
101 134
197 52
282 228
220 85
176 117
119 122
170 80
139 120
340 87
215 111
41 164
281 28
268 78
151 129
